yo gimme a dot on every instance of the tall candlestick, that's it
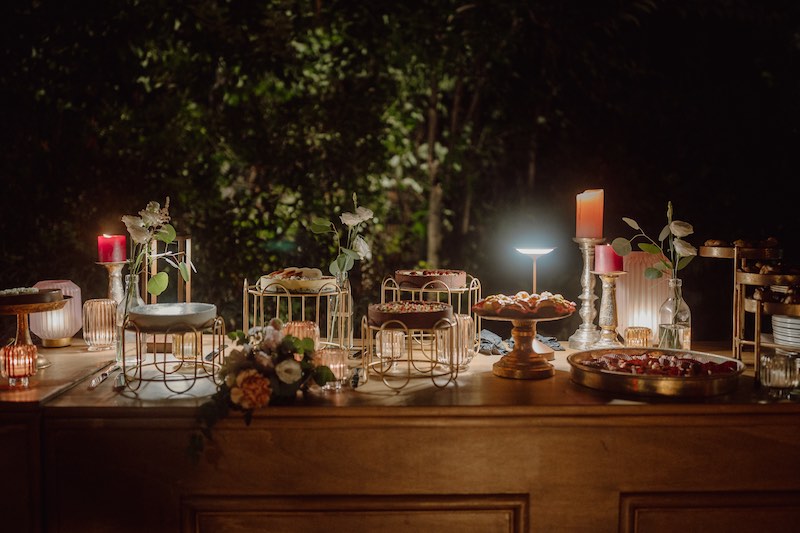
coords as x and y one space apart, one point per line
587 333
111 248
606 259
589 214
608 311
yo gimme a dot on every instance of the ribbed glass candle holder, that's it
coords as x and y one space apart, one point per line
99 321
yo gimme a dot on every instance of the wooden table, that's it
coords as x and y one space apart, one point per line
483 454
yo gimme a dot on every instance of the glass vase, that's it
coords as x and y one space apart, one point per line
675 319
131 299
339 328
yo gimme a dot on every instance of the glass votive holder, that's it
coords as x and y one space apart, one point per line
186 346
637 336
778 372
391 344
303 329
334 358
99 321
455 345
19 363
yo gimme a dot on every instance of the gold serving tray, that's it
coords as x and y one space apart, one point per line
653 385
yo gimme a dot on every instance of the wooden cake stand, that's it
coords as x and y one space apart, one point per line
528 359
23 328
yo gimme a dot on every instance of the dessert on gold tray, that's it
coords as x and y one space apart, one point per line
524 305
297 279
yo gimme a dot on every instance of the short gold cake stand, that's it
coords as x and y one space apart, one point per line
528 359
23 329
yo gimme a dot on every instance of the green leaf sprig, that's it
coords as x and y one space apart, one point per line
355 247
673 251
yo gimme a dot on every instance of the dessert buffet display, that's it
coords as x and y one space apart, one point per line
408 339
301 294
528 359
655 372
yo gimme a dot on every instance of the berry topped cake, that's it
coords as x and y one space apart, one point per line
524 305
431 279
414 314
29 295
294 279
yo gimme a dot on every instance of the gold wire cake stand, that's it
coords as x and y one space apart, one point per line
529 358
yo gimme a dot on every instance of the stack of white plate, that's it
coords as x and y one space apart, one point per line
786 330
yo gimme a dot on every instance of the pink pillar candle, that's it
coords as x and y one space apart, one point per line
589 214
111 248
606 259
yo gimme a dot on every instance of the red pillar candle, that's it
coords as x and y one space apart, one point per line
111 248
589 214
606 259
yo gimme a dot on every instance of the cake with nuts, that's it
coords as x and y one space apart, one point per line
413 314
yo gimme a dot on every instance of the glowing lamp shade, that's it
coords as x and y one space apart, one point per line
56 328
534 253
639 298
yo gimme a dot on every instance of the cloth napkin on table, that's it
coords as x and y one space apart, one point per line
493 344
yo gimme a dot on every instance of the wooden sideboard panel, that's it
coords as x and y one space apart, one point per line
398 513
20 497
743 512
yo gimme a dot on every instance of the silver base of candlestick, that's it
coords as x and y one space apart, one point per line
608 311
115 290
587 333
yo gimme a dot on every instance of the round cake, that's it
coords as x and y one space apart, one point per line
434 279
297 279
29 295
414 314
524 305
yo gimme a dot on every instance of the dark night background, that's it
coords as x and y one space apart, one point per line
253 117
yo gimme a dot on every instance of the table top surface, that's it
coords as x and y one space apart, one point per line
64 387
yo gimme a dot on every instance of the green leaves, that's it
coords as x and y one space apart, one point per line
323 375
158 283
166 233
632 223
621 245
321 225
342 263
649 248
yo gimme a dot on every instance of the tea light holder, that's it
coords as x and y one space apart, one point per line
335 358
56 328
303 329
19 364
587 333
608 311
99 324
637 336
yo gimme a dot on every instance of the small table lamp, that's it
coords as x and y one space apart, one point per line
535 253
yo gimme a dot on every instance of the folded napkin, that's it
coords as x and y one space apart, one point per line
493 344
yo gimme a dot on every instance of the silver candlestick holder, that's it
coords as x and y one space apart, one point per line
115 290
587 333
608 311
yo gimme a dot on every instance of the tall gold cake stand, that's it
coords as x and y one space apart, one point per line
23 328
528 359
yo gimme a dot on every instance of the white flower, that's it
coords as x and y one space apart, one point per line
684 248
139 233
153 215
270 339
680 228
289 371
362 214
361 247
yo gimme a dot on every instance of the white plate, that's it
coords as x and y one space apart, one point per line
794 343
786 320
173 316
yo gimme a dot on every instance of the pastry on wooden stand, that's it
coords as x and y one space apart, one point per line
528 359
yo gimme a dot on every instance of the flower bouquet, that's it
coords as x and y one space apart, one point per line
266 368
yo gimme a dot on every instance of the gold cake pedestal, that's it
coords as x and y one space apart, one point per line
529 357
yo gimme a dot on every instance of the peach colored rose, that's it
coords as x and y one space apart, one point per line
251 391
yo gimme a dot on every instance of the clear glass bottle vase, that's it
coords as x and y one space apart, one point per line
132 297
675 319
